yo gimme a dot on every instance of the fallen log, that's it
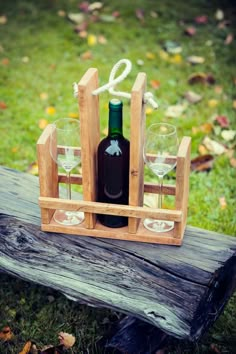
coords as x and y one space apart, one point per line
180 290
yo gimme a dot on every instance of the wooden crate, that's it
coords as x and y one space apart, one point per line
49 178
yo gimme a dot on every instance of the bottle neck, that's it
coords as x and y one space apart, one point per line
115 118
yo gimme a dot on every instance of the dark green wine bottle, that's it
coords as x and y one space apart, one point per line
113 166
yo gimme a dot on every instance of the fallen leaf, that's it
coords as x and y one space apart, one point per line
5 61
140 15
73 115
218 89
213 146
97 5
27 347
172 47
201 78
222 201
66 339
192 97
51 110
203 163
107 18
223 24
105 131
202 150
206 128
176 59
140 62
25 60
81 27
33 169
213 103
15 149
229 39
190 31
201 20
148 111
163 55
43 96
84 6
155 84
219 15
83 34
175 111
234 104
233 162
6 334
116 14
194 59
153 14
228 135
77 18
61 13
150 56
222 121
92 40
86 55
102 39
42 123
3 105
3 20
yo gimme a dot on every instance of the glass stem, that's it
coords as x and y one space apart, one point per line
68 185
160 192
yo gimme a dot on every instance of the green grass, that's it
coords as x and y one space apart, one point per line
55 60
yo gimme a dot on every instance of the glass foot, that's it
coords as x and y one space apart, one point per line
158 225
65 217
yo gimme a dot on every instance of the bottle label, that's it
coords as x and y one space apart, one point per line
113 188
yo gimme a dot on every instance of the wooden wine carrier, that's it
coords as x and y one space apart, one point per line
49 178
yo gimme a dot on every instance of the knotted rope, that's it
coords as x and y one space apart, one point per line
113 81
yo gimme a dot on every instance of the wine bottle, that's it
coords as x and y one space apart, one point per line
113 166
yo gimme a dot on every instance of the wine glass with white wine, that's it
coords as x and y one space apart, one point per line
64 143
160 150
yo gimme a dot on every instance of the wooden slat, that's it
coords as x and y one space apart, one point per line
154 188
48 171
137 123
74 179
90 137
182 183
113 209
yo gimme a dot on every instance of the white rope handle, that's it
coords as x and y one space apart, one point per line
148 96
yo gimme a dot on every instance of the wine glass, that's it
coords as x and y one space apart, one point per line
64 143
160 150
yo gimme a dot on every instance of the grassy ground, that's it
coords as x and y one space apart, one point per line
41 56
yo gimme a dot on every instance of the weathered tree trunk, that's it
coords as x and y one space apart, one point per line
180 290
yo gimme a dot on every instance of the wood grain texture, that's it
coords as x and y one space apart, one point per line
181 290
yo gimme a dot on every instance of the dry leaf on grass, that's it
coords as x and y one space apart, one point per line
192 97
175 111
190 31
27 348
194 59
233 162
222 121
6 334
3 105
201 78
213 146
222 201
228 135
203 163
66 339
